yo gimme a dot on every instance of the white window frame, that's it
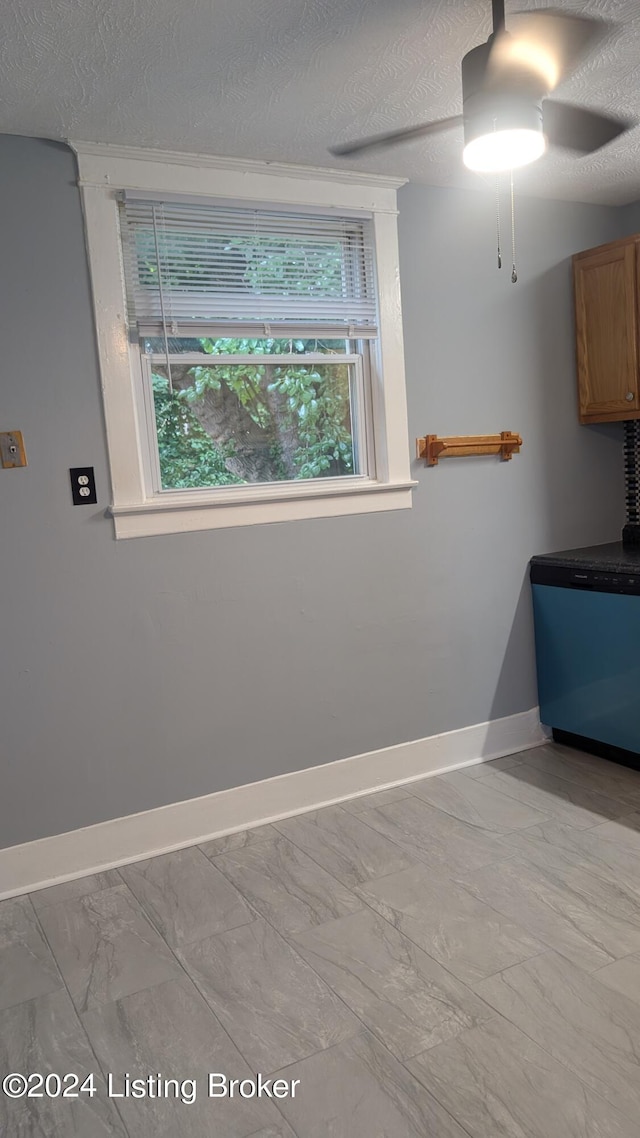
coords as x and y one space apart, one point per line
138 508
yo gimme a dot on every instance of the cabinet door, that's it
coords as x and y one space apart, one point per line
607 333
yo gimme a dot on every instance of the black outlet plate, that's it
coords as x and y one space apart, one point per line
83 486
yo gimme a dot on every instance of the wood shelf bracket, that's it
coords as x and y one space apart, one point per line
432 447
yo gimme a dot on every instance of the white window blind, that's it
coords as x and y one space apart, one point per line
199 269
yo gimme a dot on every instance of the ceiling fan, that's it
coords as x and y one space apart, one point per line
507 116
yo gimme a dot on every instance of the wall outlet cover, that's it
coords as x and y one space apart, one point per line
83 485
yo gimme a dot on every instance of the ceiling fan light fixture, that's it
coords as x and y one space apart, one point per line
507 116
499 150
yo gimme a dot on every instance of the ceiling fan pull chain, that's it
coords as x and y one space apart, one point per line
498 220
514 273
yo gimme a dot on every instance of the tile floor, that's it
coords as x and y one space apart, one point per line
456 958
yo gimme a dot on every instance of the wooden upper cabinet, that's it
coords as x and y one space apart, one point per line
606 301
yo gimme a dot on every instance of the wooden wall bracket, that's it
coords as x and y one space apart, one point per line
432 447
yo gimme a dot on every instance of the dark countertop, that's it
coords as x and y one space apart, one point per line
614 556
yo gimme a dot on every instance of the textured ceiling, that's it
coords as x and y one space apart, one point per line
283 79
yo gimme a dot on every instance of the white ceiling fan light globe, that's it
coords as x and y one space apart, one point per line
502 108
500 150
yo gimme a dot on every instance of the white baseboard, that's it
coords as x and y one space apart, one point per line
63 857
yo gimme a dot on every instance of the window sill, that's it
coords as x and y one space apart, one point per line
185 512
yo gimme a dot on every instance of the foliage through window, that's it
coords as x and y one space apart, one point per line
282 414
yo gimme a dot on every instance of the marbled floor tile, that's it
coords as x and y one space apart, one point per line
556 844
471 939
592 1030
358 1090
553 914
622 832
472 801
377 798
271 1002
237 841
623 976
428 835
286 886
44 1035
589 771
186 897
407 999
581 872
105 947
344 845
27 968
70 890
499 1084
563 800
502 764
283 1130
169 1030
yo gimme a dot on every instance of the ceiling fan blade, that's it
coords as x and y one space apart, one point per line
389 138
544 46
579 129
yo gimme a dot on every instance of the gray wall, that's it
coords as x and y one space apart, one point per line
143 672
630 218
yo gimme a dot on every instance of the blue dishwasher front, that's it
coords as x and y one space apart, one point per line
588 653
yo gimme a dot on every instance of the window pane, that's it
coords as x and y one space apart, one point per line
239 423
